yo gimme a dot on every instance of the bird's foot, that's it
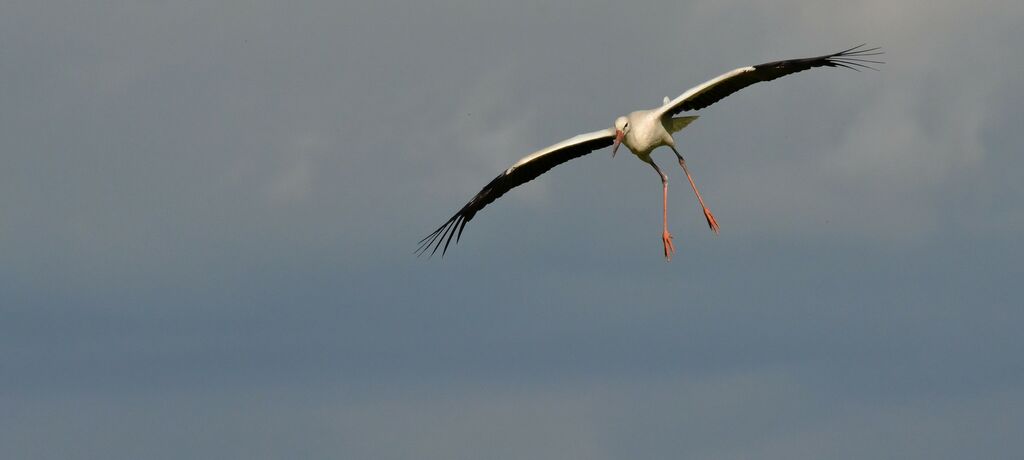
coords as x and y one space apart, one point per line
666 239
711 220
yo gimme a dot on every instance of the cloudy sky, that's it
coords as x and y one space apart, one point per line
208 212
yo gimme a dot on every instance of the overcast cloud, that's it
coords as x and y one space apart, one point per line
208 212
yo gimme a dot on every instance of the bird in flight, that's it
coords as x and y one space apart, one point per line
642 132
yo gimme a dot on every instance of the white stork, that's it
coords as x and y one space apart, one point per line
642 132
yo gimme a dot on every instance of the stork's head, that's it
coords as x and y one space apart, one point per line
621 128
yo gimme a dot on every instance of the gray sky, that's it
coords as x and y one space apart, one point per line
208 212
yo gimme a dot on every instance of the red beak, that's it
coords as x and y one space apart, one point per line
618 140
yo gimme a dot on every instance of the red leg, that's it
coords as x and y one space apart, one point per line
666 237
707 212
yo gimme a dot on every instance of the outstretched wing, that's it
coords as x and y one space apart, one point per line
524 170
723 85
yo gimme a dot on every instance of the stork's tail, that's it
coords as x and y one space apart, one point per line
678 123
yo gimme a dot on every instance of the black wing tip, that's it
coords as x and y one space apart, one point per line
855 58
435 239
444 234
453 226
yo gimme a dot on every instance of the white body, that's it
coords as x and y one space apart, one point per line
646 130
